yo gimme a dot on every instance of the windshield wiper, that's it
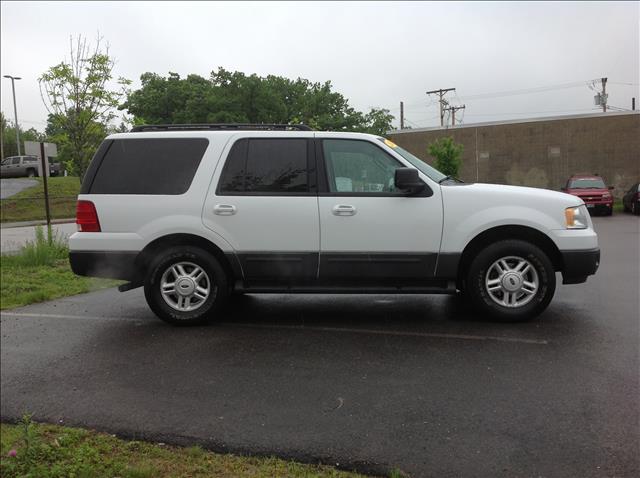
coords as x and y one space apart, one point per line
450 178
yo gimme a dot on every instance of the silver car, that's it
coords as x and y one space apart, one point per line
24 166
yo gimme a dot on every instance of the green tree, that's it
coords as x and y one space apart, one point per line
79 96
8 134
447 154
231 96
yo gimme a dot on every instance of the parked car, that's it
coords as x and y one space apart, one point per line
593 191
194 213
19 166
25 166
631 199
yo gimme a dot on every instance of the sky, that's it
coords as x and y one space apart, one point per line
541 54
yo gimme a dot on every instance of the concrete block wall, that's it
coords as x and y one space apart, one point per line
542 152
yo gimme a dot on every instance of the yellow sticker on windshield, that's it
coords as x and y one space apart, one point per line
391 144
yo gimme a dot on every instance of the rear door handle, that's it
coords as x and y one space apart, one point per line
343 210
224 210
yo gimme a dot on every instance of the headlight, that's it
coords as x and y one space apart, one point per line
576 217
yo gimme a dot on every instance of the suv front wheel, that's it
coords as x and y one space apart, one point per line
511 280
185 286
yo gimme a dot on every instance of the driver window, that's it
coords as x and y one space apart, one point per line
358 167
15 160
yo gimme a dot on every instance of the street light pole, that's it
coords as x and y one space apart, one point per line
15 108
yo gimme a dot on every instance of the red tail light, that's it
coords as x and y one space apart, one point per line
87 217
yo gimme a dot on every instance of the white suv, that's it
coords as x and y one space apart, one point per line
196 212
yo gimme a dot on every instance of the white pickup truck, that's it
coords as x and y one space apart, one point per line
196 212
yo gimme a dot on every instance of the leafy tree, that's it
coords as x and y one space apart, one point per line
8 133
79 97
447 154
56 132
228 97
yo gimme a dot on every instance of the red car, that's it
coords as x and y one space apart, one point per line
593 191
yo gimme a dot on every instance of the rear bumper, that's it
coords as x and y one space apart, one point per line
578 265
110 265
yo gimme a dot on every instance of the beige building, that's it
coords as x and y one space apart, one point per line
541 152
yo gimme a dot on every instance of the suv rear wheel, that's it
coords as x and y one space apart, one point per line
511 280
185 286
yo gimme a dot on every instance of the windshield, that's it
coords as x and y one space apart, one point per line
423 167
589 183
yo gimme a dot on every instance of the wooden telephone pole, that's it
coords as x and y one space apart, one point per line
441 100
453 110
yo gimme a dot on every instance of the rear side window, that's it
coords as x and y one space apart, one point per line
149 166
265 165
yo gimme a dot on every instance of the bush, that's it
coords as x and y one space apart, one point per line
447 154
43 251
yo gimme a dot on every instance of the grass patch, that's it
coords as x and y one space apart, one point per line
41 272
51 451
28 205
618 206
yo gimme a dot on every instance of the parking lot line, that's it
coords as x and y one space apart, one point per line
396 333
61 316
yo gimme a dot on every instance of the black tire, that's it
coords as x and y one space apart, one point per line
31 173
609 211
478 272
635 208
216 276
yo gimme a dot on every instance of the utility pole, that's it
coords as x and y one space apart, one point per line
441 100
402 115
15 109
633 103
453 110
604 95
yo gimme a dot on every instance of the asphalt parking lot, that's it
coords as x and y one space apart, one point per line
374 382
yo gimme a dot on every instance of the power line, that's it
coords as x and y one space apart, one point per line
624 83
618 108
532 112
540 89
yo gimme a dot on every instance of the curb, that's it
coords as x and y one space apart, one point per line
7 225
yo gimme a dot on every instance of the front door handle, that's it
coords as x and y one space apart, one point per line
224 210
343 210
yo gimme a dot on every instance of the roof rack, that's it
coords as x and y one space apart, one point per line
221 127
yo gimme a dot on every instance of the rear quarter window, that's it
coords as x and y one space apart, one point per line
149 166
272 166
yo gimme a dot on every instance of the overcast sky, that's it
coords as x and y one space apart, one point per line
374 53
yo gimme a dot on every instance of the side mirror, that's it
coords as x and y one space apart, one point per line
407 179
611 188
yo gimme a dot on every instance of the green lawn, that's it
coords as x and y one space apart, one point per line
55 451
28 205
41 271
23 285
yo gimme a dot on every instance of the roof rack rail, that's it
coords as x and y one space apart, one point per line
220 127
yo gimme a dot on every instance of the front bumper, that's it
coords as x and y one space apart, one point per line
599 206
578 265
